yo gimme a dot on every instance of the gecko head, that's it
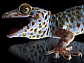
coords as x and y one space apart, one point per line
22 11
38 18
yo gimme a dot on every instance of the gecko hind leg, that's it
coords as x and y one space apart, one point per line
61 48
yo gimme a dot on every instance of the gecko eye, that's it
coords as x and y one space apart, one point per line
24 8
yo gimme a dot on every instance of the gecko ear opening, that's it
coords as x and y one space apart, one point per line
24 8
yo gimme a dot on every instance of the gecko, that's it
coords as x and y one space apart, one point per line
63 25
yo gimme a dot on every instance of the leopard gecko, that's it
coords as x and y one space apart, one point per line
63 25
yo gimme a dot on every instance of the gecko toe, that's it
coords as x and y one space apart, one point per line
66 55
49 52
75 53
56 55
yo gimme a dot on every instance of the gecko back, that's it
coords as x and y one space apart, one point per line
71 19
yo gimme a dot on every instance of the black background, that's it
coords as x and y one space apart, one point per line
53 5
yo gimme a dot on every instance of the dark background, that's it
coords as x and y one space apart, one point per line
53 5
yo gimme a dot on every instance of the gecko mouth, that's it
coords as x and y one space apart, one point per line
15 24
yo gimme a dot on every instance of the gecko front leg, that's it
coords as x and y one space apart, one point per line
66 38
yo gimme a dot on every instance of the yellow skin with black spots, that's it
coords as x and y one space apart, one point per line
63 25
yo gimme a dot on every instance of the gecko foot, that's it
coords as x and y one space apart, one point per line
65 52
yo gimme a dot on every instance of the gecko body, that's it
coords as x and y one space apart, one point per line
63 25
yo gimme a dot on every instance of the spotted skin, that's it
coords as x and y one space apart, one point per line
71 19
38 27
63 25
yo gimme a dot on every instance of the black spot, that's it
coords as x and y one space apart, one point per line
45 17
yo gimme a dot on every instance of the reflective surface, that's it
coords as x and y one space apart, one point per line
33 51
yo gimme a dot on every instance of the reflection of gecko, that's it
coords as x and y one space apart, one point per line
63 25
33 51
